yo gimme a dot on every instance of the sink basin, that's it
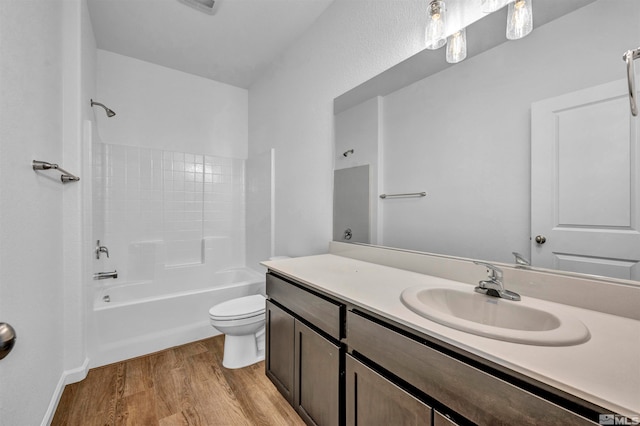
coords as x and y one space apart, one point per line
529 321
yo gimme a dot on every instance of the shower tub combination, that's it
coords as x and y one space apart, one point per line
135 319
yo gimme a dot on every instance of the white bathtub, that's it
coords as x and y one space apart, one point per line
149 316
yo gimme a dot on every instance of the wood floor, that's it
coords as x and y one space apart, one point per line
185 385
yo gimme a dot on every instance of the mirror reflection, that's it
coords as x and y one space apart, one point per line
526 146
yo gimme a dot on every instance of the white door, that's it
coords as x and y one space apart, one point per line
584 183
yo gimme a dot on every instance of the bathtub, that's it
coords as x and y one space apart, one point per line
135 319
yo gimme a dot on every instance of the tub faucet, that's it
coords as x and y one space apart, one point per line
494 285
105 275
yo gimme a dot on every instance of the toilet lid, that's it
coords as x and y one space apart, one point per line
241 307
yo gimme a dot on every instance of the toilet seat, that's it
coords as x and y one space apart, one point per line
240 308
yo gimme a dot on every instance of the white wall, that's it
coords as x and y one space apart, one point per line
291 107
161 108
463 135
32 284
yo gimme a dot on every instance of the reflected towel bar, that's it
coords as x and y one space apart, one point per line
64 177
629 56
409 194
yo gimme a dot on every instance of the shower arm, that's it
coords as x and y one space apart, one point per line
109 111
629 56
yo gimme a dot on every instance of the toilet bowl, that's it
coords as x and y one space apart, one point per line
242 322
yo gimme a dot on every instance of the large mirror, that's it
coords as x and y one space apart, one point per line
526 146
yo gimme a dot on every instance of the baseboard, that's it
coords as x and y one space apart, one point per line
152 342
77 374
67 377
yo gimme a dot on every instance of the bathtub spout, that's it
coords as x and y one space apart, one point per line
105 275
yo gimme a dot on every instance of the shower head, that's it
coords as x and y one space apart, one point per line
110 112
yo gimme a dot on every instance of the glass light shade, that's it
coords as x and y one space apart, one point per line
434 33
490 6
519 19
457 46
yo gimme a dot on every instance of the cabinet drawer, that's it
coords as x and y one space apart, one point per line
319 311
470 392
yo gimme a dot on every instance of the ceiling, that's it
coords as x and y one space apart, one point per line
231 46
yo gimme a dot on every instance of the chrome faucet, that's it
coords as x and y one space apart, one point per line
101 249
494 285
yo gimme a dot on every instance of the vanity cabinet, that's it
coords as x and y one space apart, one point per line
304 356
338 363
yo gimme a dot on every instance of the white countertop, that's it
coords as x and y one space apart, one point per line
604 370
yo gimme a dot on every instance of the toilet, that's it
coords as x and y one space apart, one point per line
242 320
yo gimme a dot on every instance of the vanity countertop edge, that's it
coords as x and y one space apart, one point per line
604 370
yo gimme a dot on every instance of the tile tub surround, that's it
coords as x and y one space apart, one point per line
146 195
604 371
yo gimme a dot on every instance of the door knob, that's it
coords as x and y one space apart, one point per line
7 339
541 239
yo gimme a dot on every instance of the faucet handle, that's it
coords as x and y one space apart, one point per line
494 272
494 286
520 259
101 249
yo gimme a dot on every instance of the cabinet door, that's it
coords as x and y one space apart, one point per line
374 400
279 341
317 377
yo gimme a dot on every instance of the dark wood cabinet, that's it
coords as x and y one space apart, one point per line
304 364
373 400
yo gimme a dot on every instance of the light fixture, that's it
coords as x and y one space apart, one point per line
457 46
519 24
490 6
435 36
519 19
